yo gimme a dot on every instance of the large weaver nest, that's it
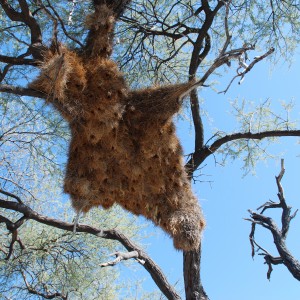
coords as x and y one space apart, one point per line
123 148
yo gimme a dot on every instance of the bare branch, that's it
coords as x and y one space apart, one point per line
251 238
26 17
58 18
228 36
279 236
119 257
267 205
248 68
18 60
11 195
269 259
21 91
13 228
209 18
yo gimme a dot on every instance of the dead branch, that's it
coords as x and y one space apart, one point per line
247 68
119 257
269 259
285 257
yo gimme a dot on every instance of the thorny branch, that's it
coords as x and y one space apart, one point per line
279 235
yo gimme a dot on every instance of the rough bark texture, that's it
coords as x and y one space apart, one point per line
192 280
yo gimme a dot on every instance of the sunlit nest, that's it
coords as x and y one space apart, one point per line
124 148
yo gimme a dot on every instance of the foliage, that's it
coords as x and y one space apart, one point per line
157 47
256 117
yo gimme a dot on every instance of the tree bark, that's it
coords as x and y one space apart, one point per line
192 279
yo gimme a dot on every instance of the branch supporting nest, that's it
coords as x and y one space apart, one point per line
279 235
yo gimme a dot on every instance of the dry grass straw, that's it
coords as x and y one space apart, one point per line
124 147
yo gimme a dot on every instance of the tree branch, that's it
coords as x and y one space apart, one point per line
248 68
209 17
26 17
197 120
11 195
198 157
119 257
21 91
279 236
13 228
192 278
18 60
33 291
58 18
153 269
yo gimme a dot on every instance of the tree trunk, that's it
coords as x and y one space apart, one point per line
192 280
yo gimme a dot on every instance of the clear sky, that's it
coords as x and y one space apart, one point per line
228 271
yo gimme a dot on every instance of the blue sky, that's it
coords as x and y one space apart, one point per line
228 271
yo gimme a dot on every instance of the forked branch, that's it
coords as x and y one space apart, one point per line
279 236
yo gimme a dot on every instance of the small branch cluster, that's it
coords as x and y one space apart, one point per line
279 235
242 65
48 295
